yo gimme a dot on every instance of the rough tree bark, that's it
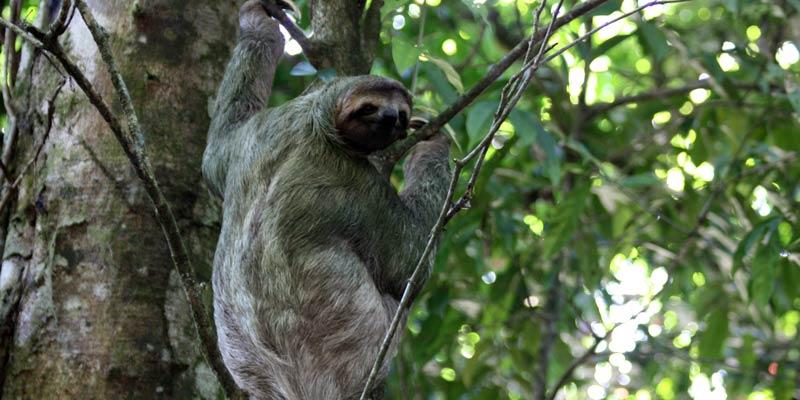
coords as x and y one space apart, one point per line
90 304
98 311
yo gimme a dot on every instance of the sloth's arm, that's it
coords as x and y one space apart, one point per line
244 89
427 175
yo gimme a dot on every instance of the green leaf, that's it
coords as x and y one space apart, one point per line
529 128
479 119
404 54
449 72
438 81
763 273
607 8
713 339
566 220
640 180
609 44
589 262
751 239
654 40
732 5
747 357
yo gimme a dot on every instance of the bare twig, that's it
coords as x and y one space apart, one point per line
12 187
591 351
510 96
10 48
565 377
608 23
6 174
653 95
61 24
9 77
371 27
420 34
517 84
275 11
35 41
473 50
397 150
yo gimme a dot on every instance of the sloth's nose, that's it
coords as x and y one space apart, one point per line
388 117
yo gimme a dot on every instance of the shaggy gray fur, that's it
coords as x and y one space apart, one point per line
316 245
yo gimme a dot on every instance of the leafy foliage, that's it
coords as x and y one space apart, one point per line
663 227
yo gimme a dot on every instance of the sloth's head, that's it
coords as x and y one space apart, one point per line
372 114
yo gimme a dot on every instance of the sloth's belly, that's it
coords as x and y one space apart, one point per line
297 277
319 312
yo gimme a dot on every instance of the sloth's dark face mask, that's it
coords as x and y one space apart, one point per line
373 117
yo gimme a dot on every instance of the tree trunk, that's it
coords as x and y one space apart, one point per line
91 303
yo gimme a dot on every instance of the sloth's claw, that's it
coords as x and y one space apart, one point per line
286 5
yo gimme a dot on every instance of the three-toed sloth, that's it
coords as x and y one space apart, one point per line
316 245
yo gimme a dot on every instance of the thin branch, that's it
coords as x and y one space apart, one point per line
397 150
11 188
36 42
9 76
371 27
420 36
133 142
518 84
11 53
691 234
61 24
6 173
565 377
656 94
510 95
275 11
406 297
473 50
608 23
591 351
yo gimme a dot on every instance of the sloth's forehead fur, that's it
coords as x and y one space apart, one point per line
373 90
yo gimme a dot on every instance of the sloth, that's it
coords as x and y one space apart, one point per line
316 245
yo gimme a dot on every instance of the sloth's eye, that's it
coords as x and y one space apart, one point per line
404 118
367 109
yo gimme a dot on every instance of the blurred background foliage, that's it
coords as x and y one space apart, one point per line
617 247
634 233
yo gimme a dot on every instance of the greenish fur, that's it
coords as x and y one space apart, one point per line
316 245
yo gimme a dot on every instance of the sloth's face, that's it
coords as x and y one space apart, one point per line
373 117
